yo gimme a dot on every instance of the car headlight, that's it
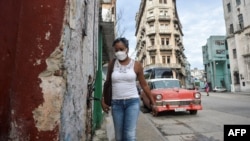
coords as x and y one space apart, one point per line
158 97
197 95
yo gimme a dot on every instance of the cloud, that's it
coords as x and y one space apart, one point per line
197 28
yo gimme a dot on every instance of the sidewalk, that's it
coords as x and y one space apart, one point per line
146 131
244 93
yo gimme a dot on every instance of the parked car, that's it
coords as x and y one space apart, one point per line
219 89
169 96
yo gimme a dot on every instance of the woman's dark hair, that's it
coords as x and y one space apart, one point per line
123 40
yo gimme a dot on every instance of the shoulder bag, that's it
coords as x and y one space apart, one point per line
107 86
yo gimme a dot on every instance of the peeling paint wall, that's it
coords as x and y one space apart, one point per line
46 61
80 62
47 115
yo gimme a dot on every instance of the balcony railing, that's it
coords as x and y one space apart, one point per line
176 32
150 18
164 17
151 48
151 31
171 65
183 71
246 52
164 30
165 47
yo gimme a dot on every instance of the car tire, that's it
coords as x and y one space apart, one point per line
193 112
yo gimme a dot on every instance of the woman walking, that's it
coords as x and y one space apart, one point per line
125 104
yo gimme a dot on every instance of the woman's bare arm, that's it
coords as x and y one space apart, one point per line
143 83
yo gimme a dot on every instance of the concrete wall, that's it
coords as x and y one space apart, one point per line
238 40
48 53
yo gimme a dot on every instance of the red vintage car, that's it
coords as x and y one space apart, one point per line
169 96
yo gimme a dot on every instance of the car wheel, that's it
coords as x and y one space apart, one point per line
193 112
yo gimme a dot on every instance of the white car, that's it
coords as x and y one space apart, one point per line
219 89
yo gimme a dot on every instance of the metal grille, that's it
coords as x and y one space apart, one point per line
187 102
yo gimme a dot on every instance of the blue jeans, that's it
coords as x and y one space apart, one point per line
125 114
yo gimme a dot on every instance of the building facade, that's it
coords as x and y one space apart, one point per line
237 21
216 62
159 37
197 78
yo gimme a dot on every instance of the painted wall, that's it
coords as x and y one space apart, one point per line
48 55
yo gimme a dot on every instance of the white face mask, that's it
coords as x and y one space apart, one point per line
121 55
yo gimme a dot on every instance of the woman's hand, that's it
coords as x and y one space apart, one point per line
105 107
154 110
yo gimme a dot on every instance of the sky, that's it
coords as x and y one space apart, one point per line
199 18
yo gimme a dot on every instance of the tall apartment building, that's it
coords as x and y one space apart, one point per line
159 37
216 62
107 27
237 20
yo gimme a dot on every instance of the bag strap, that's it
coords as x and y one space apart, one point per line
110 69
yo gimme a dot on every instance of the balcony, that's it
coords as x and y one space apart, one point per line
150 18
246 52
164 17
175 19
151 31
166 47
183 71
176 33
172 65
164 31
151 48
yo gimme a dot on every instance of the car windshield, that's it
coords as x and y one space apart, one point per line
166 84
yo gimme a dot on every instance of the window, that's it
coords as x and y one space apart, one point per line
152 41
236 77
151 24
151 13
241 21
247 60
163 12
152 59
164 59
220 42
164 41
231 29
238 2
234 53
167 41
228 7
168 59
221 51
164 25
163 1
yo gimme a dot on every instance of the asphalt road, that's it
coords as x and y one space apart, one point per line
208 125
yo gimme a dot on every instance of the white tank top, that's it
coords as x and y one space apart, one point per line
124 81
